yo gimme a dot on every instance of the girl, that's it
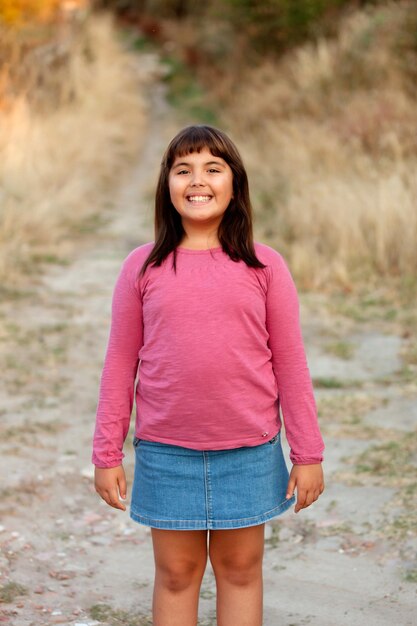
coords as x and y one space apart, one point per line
209 321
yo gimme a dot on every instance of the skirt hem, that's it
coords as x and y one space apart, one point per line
212 524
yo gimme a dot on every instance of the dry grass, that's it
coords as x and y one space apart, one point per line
328 136
62 147
335 215
333 145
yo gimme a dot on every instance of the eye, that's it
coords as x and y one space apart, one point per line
213 170
182 172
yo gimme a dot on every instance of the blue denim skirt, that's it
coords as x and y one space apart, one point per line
184 489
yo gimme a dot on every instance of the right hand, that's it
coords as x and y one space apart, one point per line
110 482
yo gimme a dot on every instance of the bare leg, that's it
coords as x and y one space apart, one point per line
180 561
236 556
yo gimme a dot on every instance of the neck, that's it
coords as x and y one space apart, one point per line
198 241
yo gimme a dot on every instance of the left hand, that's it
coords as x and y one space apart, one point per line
309 482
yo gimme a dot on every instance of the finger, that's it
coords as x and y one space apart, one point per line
112 499
122 486
115 502
301 498
309 499
290 488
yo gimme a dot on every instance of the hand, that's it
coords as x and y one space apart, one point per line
109 483
308 479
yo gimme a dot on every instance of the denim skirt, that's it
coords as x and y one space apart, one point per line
180 488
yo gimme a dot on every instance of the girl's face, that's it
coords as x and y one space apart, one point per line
201 187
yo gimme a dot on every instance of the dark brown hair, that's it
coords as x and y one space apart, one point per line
235 232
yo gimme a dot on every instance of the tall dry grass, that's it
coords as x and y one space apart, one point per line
328 132
64 142
329 135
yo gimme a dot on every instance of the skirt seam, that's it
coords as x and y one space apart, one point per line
210 522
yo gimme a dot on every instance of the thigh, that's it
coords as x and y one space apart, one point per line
179 548
238 547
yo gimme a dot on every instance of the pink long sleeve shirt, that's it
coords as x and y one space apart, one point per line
215 348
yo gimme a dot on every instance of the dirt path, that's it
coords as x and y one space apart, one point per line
67 558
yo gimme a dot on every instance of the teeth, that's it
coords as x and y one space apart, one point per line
199 198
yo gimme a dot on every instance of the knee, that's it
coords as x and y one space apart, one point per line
179 576
238 570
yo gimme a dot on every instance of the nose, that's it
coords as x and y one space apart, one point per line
197 179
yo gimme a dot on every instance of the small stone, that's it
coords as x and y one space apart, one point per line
44 556
101 541
92 518
61 575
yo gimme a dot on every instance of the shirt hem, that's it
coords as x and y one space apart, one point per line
211 445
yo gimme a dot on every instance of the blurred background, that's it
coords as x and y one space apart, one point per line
320 98
318 94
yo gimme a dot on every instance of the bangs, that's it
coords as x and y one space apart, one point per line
197 138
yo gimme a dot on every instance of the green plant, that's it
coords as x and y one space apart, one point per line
118 617
11 590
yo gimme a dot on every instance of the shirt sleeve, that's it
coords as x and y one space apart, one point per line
289 362
119 372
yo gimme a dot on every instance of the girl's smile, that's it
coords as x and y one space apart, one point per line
201 188
199 199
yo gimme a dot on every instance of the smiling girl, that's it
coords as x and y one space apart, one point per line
206 322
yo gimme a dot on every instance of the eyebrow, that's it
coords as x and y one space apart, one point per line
188 164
